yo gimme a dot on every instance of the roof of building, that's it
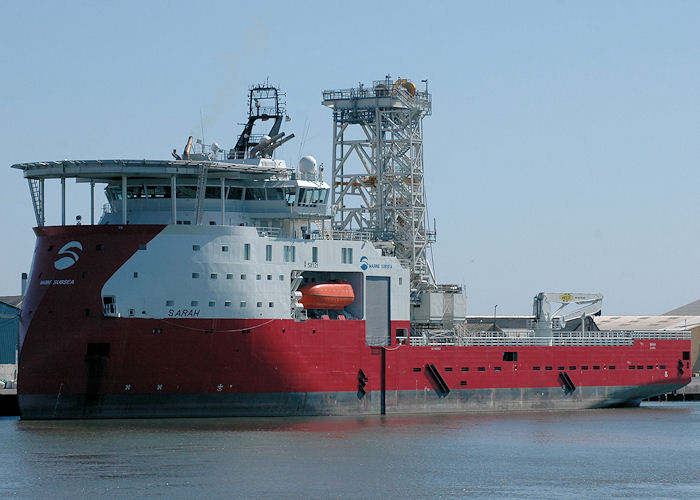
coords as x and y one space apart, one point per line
665 322
691 309
12 300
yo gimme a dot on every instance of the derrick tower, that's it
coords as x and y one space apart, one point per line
377 180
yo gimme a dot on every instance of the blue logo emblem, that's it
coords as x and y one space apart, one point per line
363 263
71 258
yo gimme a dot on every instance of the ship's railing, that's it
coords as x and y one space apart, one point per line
420 98
268 232
527 337
110 310
348 234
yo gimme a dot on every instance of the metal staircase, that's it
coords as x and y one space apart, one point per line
36 189
201 193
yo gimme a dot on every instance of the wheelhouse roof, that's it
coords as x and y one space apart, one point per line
113 170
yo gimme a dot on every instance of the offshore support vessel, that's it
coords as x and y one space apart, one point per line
225 283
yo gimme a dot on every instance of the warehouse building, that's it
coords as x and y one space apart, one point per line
9 331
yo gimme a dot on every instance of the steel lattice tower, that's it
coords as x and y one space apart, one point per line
377 180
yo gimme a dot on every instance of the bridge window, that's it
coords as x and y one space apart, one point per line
310 196
290 194
235 193
186 192
255 194
213 192
275 194
159 191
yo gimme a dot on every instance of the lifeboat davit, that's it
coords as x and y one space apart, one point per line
335 295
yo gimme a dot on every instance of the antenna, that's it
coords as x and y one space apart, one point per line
201 124
302 143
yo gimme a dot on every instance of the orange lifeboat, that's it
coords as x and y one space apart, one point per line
334 295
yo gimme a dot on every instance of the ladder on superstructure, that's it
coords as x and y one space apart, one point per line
36 189
201 194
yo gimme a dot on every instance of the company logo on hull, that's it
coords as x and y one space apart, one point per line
71 258
365 264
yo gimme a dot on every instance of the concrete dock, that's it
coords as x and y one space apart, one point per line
690 392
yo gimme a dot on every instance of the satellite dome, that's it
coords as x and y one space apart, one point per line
307 165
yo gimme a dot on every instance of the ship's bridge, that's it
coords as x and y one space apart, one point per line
260 191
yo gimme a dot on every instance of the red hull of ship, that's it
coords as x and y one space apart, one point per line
74 362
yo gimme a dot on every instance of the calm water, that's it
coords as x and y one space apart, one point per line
652 451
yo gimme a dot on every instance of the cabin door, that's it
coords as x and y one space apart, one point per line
378 327
377 311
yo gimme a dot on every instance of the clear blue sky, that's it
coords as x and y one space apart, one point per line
563 152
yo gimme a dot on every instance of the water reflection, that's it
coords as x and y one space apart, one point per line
504 454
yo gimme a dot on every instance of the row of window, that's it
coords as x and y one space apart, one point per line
305 196
229 276
289 253
212 303
559 368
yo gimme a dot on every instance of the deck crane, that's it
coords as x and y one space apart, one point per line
589 305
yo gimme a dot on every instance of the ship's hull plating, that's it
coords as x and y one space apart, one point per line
77 363
328 403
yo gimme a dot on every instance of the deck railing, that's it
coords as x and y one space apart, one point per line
525 338
268 232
